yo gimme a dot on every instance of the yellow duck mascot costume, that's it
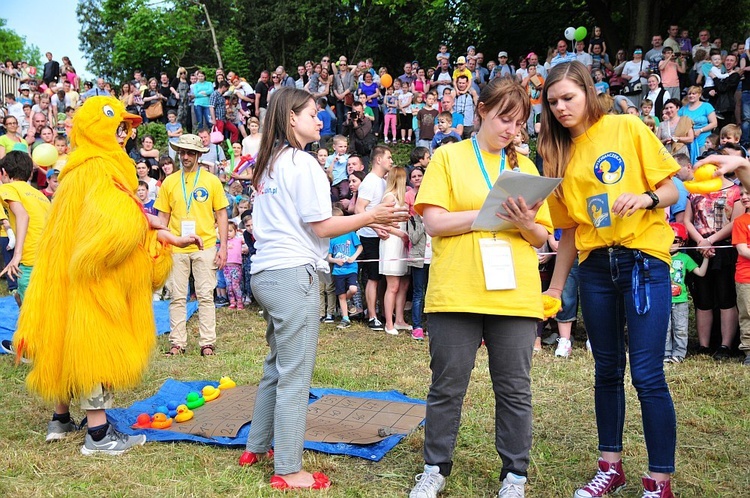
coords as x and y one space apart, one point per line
87 318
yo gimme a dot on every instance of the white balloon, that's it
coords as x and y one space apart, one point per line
570 33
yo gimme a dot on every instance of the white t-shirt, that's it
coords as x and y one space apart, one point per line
585 59
371 189
294 195
632 70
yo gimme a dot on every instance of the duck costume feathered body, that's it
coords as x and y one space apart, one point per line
87 317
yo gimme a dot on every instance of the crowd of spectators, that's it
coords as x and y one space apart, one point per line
692 93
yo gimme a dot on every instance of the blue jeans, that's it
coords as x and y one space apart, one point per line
7 256
419 283
607 303
745 117
569 311
202 117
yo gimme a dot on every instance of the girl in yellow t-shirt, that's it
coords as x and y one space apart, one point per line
463 312
616 180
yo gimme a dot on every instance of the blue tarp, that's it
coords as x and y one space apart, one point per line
9 316
172 389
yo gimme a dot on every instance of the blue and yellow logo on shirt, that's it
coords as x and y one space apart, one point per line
200 194
598 208
609 168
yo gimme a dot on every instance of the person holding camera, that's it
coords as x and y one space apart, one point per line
359 129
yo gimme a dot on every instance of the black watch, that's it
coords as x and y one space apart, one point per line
654 199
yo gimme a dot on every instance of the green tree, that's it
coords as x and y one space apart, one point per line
13 46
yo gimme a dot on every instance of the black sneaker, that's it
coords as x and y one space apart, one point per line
747 361
723 353
328 319
375 324
220 302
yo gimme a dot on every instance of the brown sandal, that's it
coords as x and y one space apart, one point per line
175 351
207 350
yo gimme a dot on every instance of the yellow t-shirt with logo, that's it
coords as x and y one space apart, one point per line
207 196
617 155
454 182
36 205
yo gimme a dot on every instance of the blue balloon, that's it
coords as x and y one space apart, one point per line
21 147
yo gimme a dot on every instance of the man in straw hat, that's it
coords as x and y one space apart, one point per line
187 203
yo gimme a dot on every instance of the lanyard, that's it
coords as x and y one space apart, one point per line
189 200
481 161
640 261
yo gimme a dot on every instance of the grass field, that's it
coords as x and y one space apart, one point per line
712 402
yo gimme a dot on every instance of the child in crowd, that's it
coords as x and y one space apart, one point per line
682 264
415 108
327 132
52 183
247 235
444 130
342 254
521 142
650 121
420 156
240 206
27 209
166 168
61 144
142 194
597 39
600 85
731 133
142 170
336 168
686 46
740 240
443 53
712 142
233 268
391 112
174 130
647 107
405 98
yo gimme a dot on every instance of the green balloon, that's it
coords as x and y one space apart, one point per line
581 33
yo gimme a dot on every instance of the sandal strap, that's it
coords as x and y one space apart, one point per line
175 350
208 346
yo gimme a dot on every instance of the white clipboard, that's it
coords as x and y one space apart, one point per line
532 188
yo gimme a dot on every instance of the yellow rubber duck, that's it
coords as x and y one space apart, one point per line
161 421
183 414
704 180
210 393
551 305
226 383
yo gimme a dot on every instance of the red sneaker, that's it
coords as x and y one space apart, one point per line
653 489
321 482
609 479
249 458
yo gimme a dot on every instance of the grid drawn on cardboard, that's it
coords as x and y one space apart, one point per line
222 417
344 419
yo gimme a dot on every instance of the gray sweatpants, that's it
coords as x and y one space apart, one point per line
290 299
454 340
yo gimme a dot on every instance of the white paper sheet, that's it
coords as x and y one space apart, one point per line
511 184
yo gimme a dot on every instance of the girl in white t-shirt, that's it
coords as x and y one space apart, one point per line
291 225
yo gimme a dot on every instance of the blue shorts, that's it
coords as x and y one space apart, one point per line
221 282
342 282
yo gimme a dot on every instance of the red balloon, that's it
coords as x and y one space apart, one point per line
32 71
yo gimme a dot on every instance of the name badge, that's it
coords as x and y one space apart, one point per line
497 261
187 227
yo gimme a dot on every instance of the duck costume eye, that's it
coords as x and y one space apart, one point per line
108 111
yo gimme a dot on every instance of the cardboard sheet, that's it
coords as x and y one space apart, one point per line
343 419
